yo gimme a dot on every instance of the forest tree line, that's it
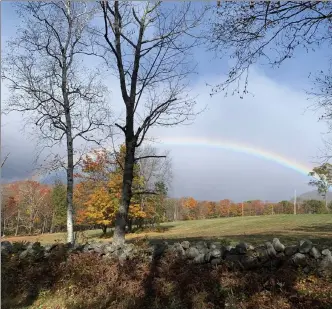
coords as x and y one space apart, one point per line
31 207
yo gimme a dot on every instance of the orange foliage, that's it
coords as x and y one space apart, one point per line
235 209
99 193
189 205
224 208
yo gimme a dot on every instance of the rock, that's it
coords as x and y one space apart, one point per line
314 252
249 262
47 248
326 252
228 248
207 257
273 263
6 246
178 249
212 246
299 259
24 254
270 249
216 253
242 247
98 248
35 245
53 246
233 258
199 259
185 244
291 250
192 253
201 245
203 250
306 270
215 245
305 246
110 248
281 255
216 261
128 248
262 254
325 266
122 257
278 246
159 250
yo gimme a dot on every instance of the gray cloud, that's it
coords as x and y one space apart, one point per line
274 119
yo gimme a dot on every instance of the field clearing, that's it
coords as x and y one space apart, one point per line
255 230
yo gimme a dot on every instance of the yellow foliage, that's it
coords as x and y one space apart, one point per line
101 207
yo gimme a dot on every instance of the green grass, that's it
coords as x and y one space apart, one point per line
255 230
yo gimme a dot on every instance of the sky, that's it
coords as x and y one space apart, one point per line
273 118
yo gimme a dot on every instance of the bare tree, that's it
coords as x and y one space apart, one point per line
154 167
44 72
4 160
267 30
321 94
150 44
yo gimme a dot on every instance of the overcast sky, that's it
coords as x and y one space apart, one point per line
273 118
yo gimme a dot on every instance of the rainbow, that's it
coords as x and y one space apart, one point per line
241 148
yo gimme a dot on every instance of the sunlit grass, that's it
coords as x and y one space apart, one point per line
289 228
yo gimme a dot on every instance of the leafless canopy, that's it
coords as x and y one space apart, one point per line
321 94
149 47
268 30
154 167
49 49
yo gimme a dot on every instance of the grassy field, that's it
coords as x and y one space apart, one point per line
255 230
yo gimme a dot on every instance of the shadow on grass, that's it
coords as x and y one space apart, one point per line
136 231
317 228
254 239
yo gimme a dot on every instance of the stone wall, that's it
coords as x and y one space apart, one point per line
244 256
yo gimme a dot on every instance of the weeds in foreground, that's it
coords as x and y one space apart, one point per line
89 281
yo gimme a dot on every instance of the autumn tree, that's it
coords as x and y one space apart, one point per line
313 206
235 209
158 201
286 207
48 83
322 180
267 30
9 208
189 206
99 192
59 205
28 207
148 46
101 207
224 207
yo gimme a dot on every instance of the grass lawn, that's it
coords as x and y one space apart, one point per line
255 230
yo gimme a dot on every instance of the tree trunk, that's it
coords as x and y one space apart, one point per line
130 226
52 222
17 222
70 152
327 208
121 216
70 186
104 228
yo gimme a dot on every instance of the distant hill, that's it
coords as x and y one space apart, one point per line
313 195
